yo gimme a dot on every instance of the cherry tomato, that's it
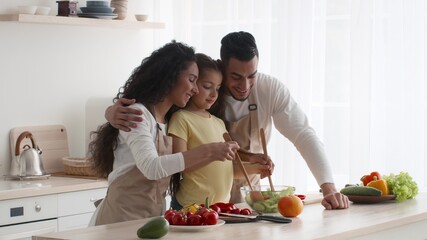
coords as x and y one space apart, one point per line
201 211
235 211
178 219
302 197
194 219
216 208
226 209
211 217
245 211
169 215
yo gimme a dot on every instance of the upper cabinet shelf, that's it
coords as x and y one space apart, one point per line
26 18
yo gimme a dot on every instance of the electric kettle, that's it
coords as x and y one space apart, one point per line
28 162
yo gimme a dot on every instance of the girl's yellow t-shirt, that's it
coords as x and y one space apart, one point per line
213 180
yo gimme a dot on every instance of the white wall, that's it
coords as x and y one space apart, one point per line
48 72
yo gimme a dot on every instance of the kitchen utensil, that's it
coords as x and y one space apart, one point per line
240 163
270 218
28 162
264 148
256 195
52 139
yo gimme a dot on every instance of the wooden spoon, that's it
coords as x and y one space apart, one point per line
264 148
254 195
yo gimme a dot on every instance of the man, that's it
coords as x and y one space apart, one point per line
255 100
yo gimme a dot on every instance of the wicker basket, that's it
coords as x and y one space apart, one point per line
78 166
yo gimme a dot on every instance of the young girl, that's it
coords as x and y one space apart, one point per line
193 126
139 163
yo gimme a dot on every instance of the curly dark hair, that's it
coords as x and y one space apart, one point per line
148 84
204 63
240 45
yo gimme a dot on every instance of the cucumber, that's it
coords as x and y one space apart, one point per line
258 206
156 227
361 191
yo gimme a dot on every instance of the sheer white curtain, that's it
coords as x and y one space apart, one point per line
356 67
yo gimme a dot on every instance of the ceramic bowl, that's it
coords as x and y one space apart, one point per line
42 10
96 9
262 199
27 9
141 17
98 3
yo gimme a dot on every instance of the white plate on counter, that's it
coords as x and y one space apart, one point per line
186 228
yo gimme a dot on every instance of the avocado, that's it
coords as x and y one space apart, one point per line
156 227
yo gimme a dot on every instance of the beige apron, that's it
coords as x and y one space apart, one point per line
132 196
245 131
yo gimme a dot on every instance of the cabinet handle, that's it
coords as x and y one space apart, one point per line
38 208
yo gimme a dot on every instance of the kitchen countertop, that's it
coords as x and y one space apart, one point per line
11 189
386 220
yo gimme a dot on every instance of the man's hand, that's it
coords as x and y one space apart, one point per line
256 163
122 117
333 199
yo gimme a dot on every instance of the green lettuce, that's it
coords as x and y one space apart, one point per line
402 186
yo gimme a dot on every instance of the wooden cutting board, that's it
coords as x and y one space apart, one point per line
52 140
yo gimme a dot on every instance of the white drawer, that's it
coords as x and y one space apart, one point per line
28 209
72 203
74 222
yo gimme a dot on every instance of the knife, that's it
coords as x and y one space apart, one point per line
270 218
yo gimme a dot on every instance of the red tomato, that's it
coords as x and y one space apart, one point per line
211 217
226 209
194 219
245 211
169 215
169 210
235 211
202 210
215 208
302 197
178 219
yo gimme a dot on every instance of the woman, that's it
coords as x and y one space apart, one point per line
139 163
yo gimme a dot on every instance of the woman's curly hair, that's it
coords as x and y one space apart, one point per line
148 84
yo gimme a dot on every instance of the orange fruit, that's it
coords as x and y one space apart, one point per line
290 206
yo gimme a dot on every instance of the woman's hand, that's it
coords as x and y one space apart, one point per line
122 117
224 151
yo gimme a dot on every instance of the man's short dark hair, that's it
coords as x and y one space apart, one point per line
240 45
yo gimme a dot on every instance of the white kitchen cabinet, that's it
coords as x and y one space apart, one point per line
21 218
75 209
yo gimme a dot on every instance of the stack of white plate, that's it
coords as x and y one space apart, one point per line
97 9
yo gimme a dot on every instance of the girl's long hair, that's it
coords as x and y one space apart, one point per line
148 84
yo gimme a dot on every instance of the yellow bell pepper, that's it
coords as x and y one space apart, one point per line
192 208
379 184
